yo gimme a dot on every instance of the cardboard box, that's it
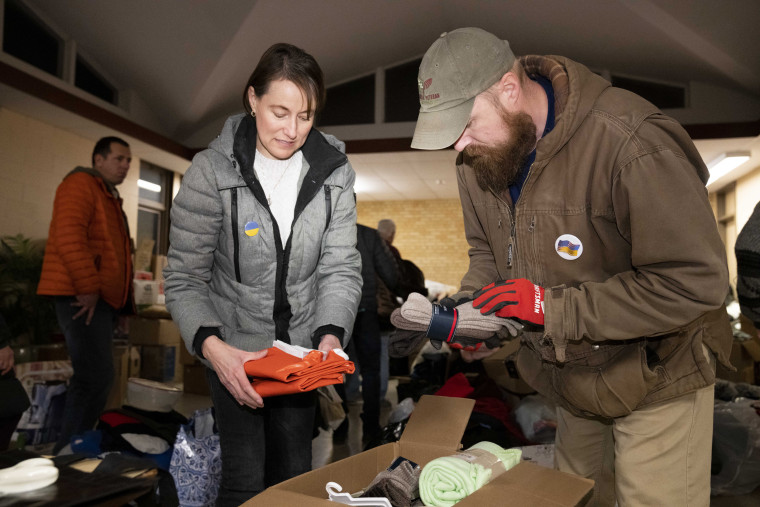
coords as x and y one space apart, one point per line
126 362
143 275
745 356
185 357
161 363
144 255
501 367
194 379
148 292
434 430
159 263
144 331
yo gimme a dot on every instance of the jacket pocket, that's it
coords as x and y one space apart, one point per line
613 388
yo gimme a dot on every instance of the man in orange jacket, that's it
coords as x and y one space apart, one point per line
88 268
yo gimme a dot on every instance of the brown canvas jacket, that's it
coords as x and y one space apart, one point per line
626 318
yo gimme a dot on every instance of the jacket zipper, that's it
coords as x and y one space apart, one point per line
511 245
235 239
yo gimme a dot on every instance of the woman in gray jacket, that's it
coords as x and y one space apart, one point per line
263 248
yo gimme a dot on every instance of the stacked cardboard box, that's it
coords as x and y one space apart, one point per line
159 342
194 373
126 362
434 430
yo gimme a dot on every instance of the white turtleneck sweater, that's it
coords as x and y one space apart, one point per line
279 179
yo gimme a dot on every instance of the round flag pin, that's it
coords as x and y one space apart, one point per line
568 247
251 229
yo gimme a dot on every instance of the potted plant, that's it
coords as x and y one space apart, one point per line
31 318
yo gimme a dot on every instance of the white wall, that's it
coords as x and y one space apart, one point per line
34 158
713 104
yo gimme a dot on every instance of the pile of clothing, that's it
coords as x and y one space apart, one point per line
443 481
289 369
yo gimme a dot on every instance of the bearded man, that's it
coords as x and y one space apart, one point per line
587 218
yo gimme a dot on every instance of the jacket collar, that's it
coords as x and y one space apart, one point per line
576 90
322 157
95 174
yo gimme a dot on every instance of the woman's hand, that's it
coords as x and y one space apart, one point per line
228 362
329 342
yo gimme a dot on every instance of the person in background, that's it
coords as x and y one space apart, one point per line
15 399
88 269
386 228
411 279
263 248
587 218
387 301
747 251
377 263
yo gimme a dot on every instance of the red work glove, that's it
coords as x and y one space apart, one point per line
518 299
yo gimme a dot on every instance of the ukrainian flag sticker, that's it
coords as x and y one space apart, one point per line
568 247
251 229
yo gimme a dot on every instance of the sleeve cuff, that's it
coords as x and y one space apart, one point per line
554 304
200 337
316 337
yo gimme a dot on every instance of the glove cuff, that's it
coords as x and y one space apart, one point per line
443 323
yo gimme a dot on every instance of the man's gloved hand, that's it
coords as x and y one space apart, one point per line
519 299
456 299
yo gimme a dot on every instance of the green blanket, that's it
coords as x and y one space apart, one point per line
445 481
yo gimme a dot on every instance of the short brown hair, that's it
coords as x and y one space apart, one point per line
286 61
103 147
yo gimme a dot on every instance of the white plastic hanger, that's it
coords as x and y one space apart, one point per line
28 475
334 493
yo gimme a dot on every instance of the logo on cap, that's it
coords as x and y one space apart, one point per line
424 86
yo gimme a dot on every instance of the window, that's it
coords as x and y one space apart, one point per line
661 95
350 103
402 101
154 201
85 78
28 39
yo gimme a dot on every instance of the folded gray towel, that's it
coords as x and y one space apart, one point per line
416 313
399 485
403 343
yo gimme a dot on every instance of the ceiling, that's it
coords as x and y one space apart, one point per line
186 61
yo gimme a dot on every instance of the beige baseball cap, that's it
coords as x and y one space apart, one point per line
457 67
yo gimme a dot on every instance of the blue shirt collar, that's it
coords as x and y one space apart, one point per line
516 188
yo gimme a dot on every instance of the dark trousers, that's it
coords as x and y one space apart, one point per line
366 346
91 350
7 427
261 447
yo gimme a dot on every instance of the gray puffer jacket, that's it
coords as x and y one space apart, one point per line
228 270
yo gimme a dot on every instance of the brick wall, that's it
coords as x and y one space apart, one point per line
429 233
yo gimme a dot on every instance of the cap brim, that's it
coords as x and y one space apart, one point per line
436 130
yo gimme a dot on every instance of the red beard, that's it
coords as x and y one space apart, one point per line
497 167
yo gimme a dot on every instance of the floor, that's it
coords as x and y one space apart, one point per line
325 451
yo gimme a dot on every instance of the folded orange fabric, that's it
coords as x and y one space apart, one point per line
283 373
